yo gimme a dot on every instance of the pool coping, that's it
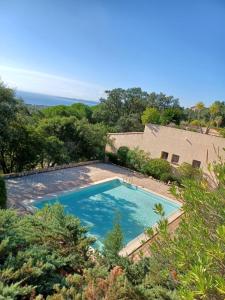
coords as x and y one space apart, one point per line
143 238
135 243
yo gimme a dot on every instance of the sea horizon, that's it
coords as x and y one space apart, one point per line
50 100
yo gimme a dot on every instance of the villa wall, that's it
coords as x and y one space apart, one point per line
187 144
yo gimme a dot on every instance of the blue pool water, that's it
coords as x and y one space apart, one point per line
97 205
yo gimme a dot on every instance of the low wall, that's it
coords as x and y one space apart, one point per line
50 169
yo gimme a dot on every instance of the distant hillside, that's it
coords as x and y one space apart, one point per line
49 100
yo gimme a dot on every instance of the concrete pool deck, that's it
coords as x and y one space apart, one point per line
33 187
39 185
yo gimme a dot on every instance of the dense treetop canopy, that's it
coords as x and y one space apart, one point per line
33 138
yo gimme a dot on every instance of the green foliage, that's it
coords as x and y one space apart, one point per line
170 177
18 143
199 273
156 167
38 250
140 161
222 132
78 110
55 135
14 291
122 154
186 171
47 254
150 115
3 194
113 158
122 109
197 123
171 115
137 159
113 243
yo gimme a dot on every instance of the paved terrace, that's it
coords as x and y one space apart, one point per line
39 185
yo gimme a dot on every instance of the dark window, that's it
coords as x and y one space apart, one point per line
175 159
196 163
164 155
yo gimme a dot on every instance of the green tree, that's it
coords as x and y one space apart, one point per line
171 115
214 110
20 148
113 243
199 108
52 152
161 101
150 115
129 123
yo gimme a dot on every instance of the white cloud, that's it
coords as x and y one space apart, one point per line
40 82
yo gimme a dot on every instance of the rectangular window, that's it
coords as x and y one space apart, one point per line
196 163
175 159
164 155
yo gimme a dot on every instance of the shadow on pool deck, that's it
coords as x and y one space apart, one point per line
37 185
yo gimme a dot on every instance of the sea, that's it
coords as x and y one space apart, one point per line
49 100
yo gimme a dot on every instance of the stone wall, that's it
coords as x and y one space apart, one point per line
50 169
188 145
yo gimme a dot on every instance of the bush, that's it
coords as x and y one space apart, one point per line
3 194
156 167
186 171
190 260
169 177
38 251
122 154
197 123
112 157
137 159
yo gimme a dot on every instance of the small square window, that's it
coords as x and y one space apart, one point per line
175 159
164 155
196 163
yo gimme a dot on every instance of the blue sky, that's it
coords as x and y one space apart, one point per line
81 48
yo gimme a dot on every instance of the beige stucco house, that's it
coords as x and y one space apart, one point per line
175 145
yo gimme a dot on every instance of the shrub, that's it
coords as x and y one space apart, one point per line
197 123
122 154
222 132
112 157
169 177
137 159
156 167
37 251
190 260
186 171
3 194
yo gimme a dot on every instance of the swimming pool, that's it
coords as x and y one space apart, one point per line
97 205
